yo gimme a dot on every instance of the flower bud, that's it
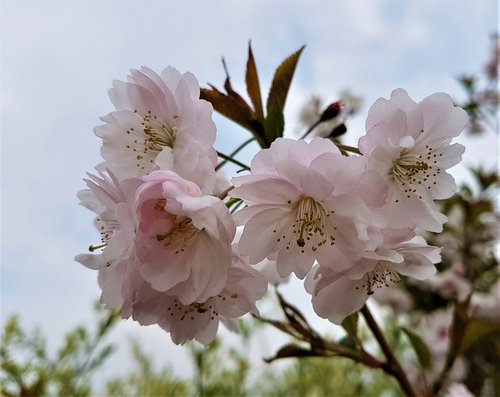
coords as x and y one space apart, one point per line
332 111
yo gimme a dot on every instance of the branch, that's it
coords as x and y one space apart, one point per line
393 366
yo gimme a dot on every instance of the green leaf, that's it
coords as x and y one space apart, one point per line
281 81
421 349
347 341
350 324
253 85
291 351
274 124
476 330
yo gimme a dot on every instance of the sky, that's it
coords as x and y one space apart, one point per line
59 58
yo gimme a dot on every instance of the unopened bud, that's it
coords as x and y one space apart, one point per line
332 111
337 131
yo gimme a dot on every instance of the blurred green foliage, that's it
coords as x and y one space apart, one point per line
28 369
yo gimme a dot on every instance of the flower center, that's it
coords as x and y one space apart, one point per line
192 311
415 172
310 224
155 136
381 276
180 235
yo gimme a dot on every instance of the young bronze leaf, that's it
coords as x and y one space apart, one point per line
228 107
253 85
281 81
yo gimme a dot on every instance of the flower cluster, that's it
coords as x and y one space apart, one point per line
348 225
166 254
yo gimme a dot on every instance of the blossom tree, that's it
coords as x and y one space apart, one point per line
353 222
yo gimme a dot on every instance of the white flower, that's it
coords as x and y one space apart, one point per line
301 206
200 320
335 295
160 123
113 202
408 144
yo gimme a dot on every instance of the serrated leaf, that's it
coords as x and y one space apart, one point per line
253 85
232 108
281 81
274 124
350 324
227 106
420 348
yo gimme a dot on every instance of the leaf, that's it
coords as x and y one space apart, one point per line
347 341
253 85
290 350
421 349
478 329
228 107
281 81
274 124
350 324
233 109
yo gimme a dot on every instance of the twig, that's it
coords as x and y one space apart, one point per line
234 161
234 153
393 366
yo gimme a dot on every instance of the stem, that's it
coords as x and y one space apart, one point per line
347 148
312 127
222 195
234 153
393 366
234 161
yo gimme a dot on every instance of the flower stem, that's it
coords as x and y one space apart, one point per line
346 148
312 127
393 366
234 161
234 153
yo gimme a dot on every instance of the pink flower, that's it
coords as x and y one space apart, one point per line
301 206
335 295
183 239
113 202
200 320
160 122
408 144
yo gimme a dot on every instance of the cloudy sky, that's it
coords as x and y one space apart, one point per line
60 57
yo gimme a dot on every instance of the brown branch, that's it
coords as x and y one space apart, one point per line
392 367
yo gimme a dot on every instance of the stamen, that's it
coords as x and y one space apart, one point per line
310 223
412 172
380 276
181 233
155 136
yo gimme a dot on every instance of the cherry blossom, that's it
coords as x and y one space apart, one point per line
183 239
301 206
113 202
160 123
200 319
335 294
409 145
